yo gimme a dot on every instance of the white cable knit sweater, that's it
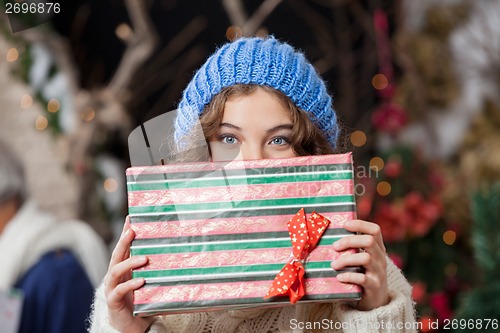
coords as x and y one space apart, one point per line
339 317
32 233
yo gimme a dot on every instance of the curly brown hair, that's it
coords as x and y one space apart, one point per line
306 138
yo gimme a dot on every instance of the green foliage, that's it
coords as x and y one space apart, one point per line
480 304
484 300
24 64
486 238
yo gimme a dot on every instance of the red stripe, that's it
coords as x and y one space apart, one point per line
232 290
235 258
236 193
235 165
235 225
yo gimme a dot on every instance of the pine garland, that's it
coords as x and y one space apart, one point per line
483 302
485 235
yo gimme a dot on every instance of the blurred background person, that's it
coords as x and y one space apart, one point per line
54 264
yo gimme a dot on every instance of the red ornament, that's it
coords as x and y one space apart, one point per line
393 221
389 118
397 260
392 169
388 92
441 305
426 323
364 206
419 292
424 213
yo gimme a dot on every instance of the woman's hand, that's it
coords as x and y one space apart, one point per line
372 257
118 286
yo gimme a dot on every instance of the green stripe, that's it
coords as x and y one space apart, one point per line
183 216
241 205
192 305
227 237
238 172
226 269
228 279
208 247
202 183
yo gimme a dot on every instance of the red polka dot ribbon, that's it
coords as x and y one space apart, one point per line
305 235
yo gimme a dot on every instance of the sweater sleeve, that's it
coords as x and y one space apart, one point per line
99 318
397 316
99 322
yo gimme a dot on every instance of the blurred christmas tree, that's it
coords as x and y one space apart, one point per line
437 133
483 302
407 201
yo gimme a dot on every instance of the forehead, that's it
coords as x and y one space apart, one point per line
248 89
257 103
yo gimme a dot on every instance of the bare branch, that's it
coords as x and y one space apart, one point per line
321 28
188 61
363 17
139 47
260 15
81 18
235 11
330 3
153 73
345 62
108 102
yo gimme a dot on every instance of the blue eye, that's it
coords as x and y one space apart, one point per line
280 141
230 140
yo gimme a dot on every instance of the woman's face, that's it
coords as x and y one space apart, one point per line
254 126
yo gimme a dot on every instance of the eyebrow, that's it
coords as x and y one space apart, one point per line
271 130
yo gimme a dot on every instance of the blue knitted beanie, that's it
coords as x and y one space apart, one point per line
263 62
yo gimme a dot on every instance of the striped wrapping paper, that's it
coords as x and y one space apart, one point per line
216 233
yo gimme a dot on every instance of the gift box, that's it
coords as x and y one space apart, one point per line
218 236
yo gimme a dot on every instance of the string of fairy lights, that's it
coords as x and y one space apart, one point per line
53 105
359 139
383 188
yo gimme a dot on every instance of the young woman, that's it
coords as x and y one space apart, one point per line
260 98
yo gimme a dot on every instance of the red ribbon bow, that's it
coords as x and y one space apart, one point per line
305 235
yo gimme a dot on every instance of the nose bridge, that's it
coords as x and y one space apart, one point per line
252 151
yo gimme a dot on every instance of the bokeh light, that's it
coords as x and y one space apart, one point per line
233 33
358 138
449 237
384 188
262 32
41 123
110 185
12 54
123 31
376 163
88 114
380 81
53 105
26 101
